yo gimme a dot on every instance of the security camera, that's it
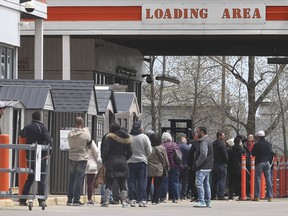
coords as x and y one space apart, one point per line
29 6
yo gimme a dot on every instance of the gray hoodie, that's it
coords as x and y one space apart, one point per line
141 148
78 138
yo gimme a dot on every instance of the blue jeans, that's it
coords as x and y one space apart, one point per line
170 183
173 175
76 178
164 188
184 182
265 168
137 181
203 186
218 175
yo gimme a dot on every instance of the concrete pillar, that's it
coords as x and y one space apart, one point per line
38 58
66 74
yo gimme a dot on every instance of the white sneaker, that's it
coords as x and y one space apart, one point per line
126 205
143 204
132 203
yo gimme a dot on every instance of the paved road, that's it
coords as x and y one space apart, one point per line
279 207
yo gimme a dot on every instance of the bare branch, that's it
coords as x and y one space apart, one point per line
232 118
270 86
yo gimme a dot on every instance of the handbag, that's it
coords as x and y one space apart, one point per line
165 169
177 156
91 167
100 176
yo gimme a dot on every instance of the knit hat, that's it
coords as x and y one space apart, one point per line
261 133
136 128
136 125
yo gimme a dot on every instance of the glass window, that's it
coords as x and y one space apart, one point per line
120 122
7 62
10 63
102 79
125 123
100 130
121 81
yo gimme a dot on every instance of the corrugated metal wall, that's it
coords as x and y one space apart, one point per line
59 159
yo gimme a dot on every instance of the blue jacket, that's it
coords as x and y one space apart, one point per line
184 148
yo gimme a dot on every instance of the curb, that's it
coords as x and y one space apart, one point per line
51 201
6 203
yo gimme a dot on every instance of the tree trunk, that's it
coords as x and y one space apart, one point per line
223 89
250 126
160 102
153 110
195 99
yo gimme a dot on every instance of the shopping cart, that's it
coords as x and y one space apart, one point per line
33 149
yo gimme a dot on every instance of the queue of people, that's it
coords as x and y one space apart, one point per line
144 166
145 169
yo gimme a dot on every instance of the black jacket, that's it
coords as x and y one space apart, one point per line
190 159
235 159
36 132
220 153
116 150
262 151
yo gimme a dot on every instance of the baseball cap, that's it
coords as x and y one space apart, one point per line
261 133
2 105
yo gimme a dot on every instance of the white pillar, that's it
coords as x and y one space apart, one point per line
66 74
15 66
38 58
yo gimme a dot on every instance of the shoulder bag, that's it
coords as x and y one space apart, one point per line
177 156
100 176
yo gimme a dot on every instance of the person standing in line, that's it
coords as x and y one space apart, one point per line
157 164
171 183
35 132
248 151
184 169
204 157
137 180
235 167
78 139
115 153
192 170
250 142
219 171
103 186
2 109
91 169
262 151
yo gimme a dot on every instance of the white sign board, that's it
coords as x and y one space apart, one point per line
38 163
64 145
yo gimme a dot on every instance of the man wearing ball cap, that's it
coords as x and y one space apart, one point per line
2 109
262 151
